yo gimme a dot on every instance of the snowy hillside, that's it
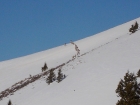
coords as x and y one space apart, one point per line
91 78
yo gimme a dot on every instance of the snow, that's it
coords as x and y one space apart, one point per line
91 79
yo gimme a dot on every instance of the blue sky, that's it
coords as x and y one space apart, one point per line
30 26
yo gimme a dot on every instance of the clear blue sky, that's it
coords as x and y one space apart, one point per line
30 26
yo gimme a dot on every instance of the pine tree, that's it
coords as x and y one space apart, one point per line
136 26
9 103
128 90
51 77
138 73
60 76
45 66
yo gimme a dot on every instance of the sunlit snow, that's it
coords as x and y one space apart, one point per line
91 79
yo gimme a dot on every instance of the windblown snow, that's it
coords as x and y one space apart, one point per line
91 79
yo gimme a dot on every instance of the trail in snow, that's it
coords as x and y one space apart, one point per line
91 79
26 81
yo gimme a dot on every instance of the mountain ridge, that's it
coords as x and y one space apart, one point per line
110 58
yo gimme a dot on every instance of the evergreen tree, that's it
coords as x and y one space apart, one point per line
45 66
138 73
9 103
60 76
136 26
51 77
128 90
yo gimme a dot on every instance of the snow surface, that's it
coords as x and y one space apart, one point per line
91 79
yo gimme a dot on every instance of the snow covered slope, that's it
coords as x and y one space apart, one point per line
91 79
